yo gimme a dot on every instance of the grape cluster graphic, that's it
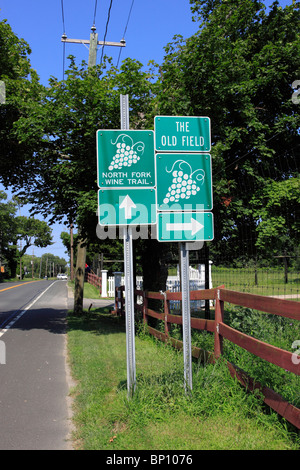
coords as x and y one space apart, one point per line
127 152
185 182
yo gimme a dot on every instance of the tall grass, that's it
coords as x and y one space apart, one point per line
261 281
217 414
275 330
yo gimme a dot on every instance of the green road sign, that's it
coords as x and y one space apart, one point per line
184 182
182 134
127 206
185 226
125 158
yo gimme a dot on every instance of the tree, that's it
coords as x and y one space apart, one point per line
8 229
61 174
33 232
46 265
14 229
238 70
65 152
23 93
277 231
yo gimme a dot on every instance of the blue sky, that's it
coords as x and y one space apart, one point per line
152 24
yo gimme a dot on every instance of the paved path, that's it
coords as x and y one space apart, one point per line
96 303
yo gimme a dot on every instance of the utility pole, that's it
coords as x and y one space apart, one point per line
71 253
81 248
93 42
41 266
32 262
20 260
2 101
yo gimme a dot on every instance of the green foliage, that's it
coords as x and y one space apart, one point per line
275 330
238 70
277 230
218 414
64 134
23 93
8 229
33 232
14 229
43 266
14 54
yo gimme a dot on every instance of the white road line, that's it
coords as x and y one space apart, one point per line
15 319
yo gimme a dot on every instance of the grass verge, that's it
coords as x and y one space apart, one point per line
217 415
89 291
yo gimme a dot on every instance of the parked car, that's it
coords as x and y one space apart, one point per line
62 276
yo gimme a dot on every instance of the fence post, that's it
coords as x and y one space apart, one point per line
145 307
117 283
123 297
104 283
219 317
166 312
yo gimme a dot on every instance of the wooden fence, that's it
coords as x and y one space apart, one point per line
93 279
272 354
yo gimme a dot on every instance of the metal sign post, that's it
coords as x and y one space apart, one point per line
129 311
186 317
128 274
127 198
184 197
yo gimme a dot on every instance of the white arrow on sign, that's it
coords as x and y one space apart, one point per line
194 226
128 205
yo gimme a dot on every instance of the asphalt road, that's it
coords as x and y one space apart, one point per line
34 384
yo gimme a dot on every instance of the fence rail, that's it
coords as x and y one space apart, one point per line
93 279
272 354
238 280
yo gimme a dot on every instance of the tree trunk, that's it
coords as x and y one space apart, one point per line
79 276
155 269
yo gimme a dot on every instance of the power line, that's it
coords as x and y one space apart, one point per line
128 18
108 18
93 42
125 30
63 15
95 9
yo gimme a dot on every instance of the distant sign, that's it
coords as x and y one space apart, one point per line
125 158
182 134
184 182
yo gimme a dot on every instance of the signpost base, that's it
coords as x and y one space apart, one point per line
128 275
129 310
186 317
